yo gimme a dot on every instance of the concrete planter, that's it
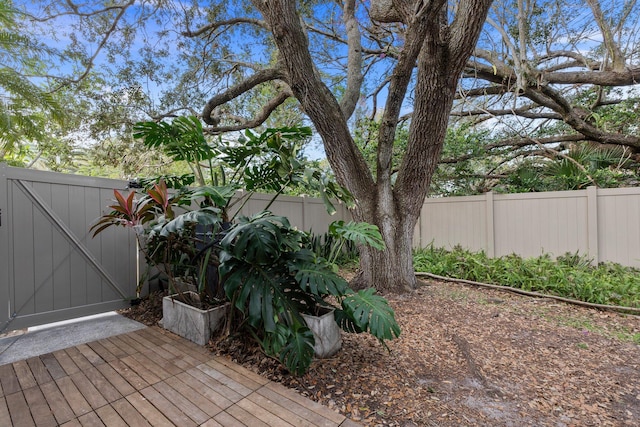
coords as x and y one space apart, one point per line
326 332
190 322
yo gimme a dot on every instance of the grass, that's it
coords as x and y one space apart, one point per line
569 276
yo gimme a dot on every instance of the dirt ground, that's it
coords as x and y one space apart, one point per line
473 357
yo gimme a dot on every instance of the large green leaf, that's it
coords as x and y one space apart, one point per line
297 355
182 139
361 233
257 240
219 195
206 216
372 313
319 279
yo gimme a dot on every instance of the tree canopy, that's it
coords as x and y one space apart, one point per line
29 112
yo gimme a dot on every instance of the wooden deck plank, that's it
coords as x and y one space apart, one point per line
212 423
150 365
212 389
246 380
189 347
148 378
78 358
169 410
53 367
148 411
110 417
19 410
40 411
59 406
114 379
174 347
72 395
88 390
39 370
105 383
129 413
139 348
167 365
91 419
300 410
200 354
195 396
9 380
229 382
93 357
112 347
178 361
102 351
304 402
227 420
65 361
142 340
171 349
263 414
147 375
181 402
245 417
128 374
123 346
242 370
4 409
152 335
286 409
24 375
72 423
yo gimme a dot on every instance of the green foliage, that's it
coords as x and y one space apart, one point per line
272 277
570 276
340 244
269 161
262 264
28 112
372 313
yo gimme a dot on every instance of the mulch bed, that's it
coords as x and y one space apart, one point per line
471 356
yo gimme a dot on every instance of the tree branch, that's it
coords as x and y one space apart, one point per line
259 118
354 60
262 76
315 97
228 22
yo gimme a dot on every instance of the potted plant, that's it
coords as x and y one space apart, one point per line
273 280
322 320
180 232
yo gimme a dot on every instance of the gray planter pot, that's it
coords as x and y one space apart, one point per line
326 332
190 322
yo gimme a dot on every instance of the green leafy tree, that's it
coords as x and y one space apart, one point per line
28 112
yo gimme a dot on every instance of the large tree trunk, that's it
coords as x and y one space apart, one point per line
390 270
440 51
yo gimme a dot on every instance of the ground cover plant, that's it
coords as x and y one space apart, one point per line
570 276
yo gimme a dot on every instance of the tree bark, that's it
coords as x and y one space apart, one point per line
441 52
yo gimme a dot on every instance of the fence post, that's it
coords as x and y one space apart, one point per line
5 247
305 212
592 224
490 244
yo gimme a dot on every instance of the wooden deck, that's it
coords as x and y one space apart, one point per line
148 377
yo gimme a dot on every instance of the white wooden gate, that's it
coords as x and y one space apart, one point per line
50 267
